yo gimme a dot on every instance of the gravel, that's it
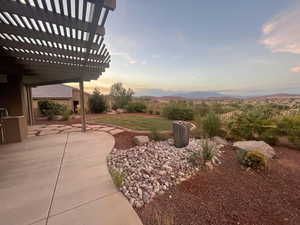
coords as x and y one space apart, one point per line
151 169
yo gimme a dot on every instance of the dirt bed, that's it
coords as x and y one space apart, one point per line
229 195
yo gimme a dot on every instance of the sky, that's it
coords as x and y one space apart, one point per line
232 47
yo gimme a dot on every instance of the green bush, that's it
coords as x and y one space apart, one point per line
136 107
157 136
117 177
253 125
97 102
210 124
290 127
195 159
66 114
50 109
178 111
255 160
208 150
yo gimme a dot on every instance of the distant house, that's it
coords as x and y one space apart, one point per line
58 93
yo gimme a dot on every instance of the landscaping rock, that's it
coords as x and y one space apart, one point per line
141 140
154 168
220 141
259 146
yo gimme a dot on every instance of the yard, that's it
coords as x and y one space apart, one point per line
137 122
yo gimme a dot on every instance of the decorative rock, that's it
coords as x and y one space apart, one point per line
153 168
209 165
141 140
259 146
181 133
219 140
119 111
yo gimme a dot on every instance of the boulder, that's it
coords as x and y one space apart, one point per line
219 140
259 146
141 140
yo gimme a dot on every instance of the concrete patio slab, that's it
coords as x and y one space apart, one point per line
61 179
28 172
110 210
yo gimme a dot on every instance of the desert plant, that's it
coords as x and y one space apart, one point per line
195 159
290 127
269 136
178 111
208 150
117 177
162 219
157 136
136 107
210 124
255 160
66 114
97 102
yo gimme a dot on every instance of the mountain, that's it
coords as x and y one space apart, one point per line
182 94
200 94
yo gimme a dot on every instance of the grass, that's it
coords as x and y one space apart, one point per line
136 122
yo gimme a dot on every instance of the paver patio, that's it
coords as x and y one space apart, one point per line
61 179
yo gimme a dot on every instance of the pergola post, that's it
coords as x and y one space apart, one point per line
82 108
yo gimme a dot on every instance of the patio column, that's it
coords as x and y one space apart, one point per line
82 108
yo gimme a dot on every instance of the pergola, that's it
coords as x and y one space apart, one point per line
54 41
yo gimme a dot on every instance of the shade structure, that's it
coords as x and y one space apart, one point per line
54 41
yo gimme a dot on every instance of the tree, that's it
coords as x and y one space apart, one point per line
120 95
97 102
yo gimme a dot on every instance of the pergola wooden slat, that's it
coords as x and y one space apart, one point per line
54 41
69 33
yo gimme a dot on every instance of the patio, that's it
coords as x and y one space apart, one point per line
61 179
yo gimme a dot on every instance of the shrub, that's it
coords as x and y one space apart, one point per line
269 136
136 107
252 125
290 126
97 103
157 136
210 124
161 219
178 111
66 114
208 150
195 159
255 160
50 108
117 177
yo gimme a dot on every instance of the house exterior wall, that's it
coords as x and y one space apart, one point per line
68 102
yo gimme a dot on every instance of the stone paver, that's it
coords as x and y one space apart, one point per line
42 130
116 131
61 179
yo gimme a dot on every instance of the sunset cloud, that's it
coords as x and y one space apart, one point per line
282 32
295 69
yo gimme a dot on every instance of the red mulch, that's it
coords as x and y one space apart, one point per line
230 195
125 140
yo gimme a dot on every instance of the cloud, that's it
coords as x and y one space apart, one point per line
295 69
282 32
126 56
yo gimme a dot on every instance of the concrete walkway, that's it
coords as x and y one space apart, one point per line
61 180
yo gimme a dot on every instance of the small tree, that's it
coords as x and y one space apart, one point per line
120 95
97 102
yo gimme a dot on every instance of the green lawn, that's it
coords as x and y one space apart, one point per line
135 122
